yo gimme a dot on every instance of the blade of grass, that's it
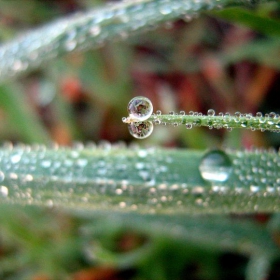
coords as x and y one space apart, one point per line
262 24
92 29
21 115
143 180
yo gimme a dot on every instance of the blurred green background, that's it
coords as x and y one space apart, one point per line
189 65
228 61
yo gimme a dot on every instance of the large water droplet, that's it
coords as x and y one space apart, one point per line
215 166
141 130
140 108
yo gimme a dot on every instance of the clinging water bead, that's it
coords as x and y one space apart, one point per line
140 108
141 130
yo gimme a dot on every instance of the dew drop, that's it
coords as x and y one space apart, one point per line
95 30
46 163
188 125
141 130
4 191
254 189
15 158
215 166
2 176
259 114
124 119
244 124
237 114
182 113
211 113
82 162
140 108
158 112
172 113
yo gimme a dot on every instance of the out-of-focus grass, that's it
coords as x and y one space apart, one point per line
197 65
180 65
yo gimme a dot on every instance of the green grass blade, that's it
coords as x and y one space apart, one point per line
21 115
93 28
143 180
262 24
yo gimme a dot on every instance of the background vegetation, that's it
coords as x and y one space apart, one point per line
227 60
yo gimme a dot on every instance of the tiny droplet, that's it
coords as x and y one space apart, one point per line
188 125
211 112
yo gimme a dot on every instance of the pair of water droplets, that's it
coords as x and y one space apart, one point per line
139 110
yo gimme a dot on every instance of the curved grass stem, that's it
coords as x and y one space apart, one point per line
91 29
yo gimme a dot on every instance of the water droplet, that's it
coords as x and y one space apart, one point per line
165 10
272 115
141 130
237 114
259 114
140 108
122 204
171 113
95 30
191 113
4 191
2 176
188 125
215 166
82 162
124 119
46 163
211 113
158 112
254 189
182 113
157 122
15 158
